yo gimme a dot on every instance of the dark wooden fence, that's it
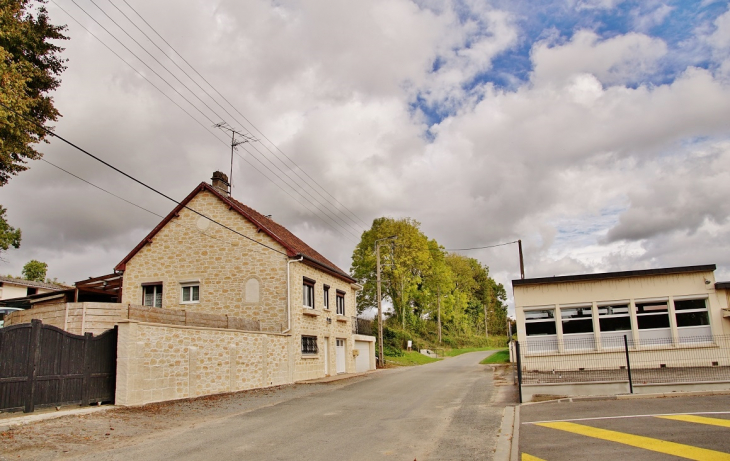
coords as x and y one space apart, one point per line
42 365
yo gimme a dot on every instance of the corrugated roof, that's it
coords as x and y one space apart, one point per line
31 283
294 245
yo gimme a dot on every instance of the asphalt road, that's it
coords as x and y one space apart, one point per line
637 429
447 410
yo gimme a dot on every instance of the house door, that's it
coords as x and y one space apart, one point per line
340 356
326 356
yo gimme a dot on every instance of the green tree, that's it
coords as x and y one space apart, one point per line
30 66
9 236
35 270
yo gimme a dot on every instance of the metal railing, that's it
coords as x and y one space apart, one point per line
362 326
621 359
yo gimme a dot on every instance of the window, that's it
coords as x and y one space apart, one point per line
652 314
614 317
31 291
577 320
326 299
308 293
152 295
340 302
691 313
309 345
540 322
190 293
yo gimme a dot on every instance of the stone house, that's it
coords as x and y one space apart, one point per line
212 254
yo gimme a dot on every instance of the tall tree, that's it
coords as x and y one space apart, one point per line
35 270
30 66
9 236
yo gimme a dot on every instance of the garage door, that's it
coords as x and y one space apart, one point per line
362 361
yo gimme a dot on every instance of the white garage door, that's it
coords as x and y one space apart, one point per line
362 361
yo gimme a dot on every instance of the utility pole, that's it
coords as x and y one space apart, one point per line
243 138
522 264
381 356
438 301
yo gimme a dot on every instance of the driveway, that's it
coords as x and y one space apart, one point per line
692 427
449 410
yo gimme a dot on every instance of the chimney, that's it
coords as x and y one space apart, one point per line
220 182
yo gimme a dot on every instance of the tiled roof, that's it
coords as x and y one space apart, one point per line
294 246
31 283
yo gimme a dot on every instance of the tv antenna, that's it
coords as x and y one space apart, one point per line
235 142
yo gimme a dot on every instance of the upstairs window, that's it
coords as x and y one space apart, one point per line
614 317
340 302
308 293
152 295
577 320
540 322
309 345
326 299
652 315
691 313
190 293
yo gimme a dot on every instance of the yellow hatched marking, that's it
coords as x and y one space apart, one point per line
647 443
699 420
526 457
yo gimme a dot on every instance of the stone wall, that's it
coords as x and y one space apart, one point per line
237 276
166 362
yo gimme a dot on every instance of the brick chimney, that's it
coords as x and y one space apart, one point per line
220 182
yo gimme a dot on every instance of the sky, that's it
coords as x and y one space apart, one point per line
596 131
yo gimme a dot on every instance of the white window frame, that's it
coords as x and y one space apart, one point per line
326 297
155 294
340 302
189 286
308 293
552 319
649 313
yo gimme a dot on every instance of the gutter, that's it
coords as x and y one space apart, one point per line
288 293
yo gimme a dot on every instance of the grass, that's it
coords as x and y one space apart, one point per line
498 357
455 352
409 359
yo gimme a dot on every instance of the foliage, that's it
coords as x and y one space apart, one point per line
425 284
9 236
497 357
30 66
410 358
35 270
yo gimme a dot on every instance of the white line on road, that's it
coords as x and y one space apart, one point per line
628 416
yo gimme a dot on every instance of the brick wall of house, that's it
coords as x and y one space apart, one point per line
192 248
166 362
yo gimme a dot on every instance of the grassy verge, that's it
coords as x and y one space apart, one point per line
497 357
455 352
409 359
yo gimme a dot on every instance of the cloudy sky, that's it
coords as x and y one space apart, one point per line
594 130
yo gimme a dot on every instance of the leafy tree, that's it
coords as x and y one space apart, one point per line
35 270
9 236
30 66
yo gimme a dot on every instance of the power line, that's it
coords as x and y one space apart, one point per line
482 248
51 133
235 109
204 115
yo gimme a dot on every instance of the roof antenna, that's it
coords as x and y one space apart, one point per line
243 138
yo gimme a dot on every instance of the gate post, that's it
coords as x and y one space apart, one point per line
519 368
87 370
34 357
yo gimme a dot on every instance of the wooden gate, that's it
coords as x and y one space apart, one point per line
41 365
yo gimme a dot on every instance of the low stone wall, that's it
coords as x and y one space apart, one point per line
158 362
96 318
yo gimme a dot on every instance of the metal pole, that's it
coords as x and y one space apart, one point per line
381 357
628 364
522 264
438 300
519 368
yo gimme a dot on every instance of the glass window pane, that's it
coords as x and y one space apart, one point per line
615 324
577 326
576 313
651 307
196 293
186 294
648 322
149 296
690 304
614 310
540 314
540 328
158 298
693 319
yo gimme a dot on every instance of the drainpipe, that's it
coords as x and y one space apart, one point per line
288 293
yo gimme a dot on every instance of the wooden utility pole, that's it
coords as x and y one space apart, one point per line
522 264
381 356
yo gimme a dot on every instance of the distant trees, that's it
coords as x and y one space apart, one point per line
35 270
424 282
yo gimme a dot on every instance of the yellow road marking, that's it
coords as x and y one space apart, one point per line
526 457
699 420
647 443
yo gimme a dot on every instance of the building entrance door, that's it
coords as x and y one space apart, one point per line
340 356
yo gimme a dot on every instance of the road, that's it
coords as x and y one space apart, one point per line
689 427
449 410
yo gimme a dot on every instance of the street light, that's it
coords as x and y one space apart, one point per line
381 357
